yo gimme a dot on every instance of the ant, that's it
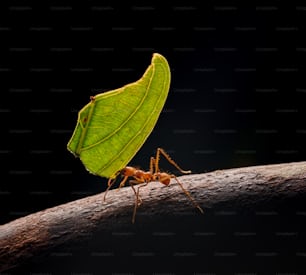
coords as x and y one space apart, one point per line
144 178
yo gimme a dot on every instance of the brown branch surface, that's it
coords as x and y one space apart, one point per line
38 233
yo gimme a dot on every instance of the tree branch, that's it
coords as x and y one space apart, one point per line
248 187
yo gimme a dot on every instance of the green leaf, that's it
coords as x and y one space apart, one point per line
113 126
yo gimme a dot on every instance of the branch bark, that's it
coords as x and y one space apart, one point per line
248 187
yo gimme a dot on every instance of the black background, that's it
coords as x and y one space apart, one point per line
237 98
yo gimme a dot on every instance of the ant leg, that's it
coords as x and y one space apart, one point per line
152 164
110 183
122 183
143 185
132 183
138 200
169 159
196 205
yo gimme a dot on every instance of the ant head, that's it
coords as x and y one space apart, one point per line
128 171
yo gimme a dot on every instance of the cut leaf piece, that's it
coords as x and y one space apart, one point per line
113 126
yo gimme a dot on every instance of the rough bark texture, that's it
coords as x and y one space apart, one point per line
248 187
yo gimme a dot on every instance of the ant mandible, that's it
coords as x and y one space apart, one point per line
144 178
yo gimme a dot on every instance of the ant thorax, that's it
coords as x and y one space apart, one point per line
142 176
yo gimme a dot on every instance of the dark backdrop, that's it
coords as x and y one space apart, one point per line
237 95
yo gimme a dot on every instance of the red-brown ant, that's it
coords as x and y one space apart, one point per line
154 174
